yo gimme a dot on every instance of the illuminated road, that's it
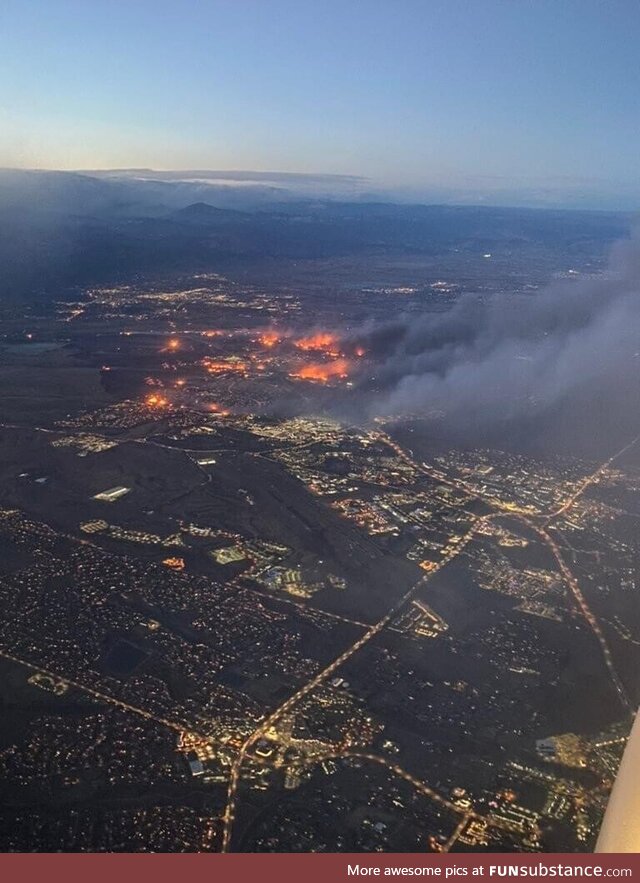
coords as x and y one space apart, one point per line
504 510
456 833
96 694
457 484
372 631
427 791
586 611
538 522
591 479
507 509
418 784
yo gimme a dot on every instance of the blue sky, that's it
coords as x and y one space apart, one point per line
414 94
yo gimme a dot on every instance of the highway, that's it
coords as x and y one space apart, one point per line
372 631
587 613
422 787
96 694
538 522
419 785
504 510
531 520
456 833
590 479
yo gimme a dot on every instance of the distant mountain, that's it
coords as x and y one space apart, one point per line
204 214
59 230
62 192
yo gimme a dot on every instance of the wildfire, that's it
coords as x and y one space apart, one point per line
323 341
323 372
156 401
269 339
215 408
220 366
174 563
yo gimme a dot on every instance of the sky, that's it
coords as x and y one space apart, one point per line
418 96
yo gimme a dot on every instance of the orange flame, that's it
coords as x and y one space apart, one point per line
269 339
219 366
156 401
323 341
215 408
323 372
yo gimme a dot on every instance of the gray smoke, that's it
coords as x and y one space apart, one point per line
483 362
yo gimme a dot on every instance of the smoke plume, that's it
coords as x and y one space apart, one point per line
498 361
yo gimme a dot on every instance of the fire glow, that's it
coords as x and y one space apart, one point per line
269 339
219 366
323 342
215 408
156 401
323 372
